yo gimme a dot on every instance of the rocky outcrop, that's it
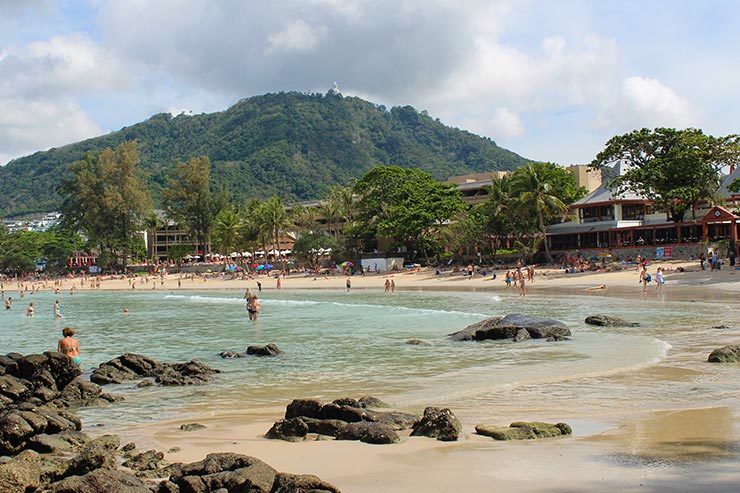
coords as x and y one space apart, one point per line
297 483
268 350
521 430
21 473
438 423
233 472
609 321
725 354
290 430
513 327
131 366
101 480
192 427
417 342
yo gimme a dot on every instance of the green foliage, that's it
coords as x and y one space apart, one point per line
307 246
189 201
227 231
288 144
735 186
676 169
406 206
20 251
105 198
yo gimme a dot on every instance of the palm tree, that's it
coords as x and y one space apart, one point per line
535 193
226 230
304 218
275 220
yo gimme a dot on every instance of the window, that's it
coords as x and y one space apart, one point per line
633 212
596 213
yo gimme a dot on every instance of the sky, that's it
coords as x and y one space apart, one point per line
550 80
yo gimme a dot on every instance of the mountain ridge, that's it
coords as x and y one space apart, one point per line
292 144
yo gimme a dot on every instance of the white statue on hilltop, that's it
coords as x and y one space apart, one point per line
335 88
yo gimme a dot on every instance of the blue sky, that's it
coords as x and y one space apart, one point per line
551 80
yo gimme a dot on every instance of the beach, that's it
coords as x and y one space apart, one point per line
648 413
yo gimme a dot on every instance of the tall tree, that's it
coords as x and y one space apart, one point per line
275 219
676 169
536 194
190 202
406 206
106 199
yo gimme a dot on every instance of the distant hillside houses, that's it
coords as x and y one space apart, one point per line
35 222
627 225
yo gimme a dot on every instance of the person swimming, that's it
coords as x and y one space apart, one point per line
69 346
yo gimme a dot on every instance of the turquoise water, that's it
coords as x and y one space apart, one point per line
339 343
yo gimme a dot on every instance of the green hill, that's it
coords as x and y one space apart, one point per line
292 144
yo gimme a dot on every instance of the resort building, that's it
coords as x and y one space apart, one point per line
628 225
586 177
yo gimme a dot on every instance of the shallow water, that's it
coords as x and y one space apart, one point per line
339 343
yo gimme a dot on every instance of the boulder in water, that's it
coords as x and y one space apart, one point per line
131 366
725 354
521 430
509 327
417 342
609 321
267 350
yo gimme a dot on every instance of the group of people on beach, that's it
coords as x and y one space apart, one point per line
645 277
519 276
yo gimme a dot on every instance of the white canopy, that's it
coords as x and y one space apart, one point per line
285 252
246 254
274 252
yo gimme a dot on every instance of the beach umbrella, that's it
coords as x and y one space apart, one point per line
259 253
321 251
274 252
188 257
233 254
346 264
285 252
246 254
327 251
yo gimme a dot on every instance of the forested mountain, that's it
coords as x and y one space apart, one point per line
292 144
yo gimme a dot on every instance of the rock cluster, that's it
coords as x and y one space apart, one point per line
36 392
350 419
267 350
516 327
46 451
131 366
609 321
522 430
725 354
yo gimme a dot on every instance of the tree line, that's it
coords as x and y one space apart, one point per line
106 206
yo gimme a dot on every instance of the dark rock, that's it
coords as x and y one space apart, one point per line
231 354
395 419
13 387
328 427
370 401
111 398
167 487
224 470
101 481
268 350
725 354
100 453
146 461
524 430
147 382
48 444
192 427
343 413
721 327
128 447
301 483
417 342
135 366
347 401
609 321
21 473
173 450
309 408
79 390
508 327
438 423
368 432
290 430
14 430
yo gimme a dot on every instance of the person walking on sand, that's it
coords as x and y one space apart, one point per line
56 310
69 346
348 284
279 283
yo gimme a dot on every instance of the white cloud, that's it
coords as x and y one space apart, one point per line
296 36
655 104
507 123
29 126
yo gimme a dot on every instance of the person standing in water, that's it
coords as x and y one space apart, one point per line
348 284
253 307
249 296
69 346
659 280
30 312
56 310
